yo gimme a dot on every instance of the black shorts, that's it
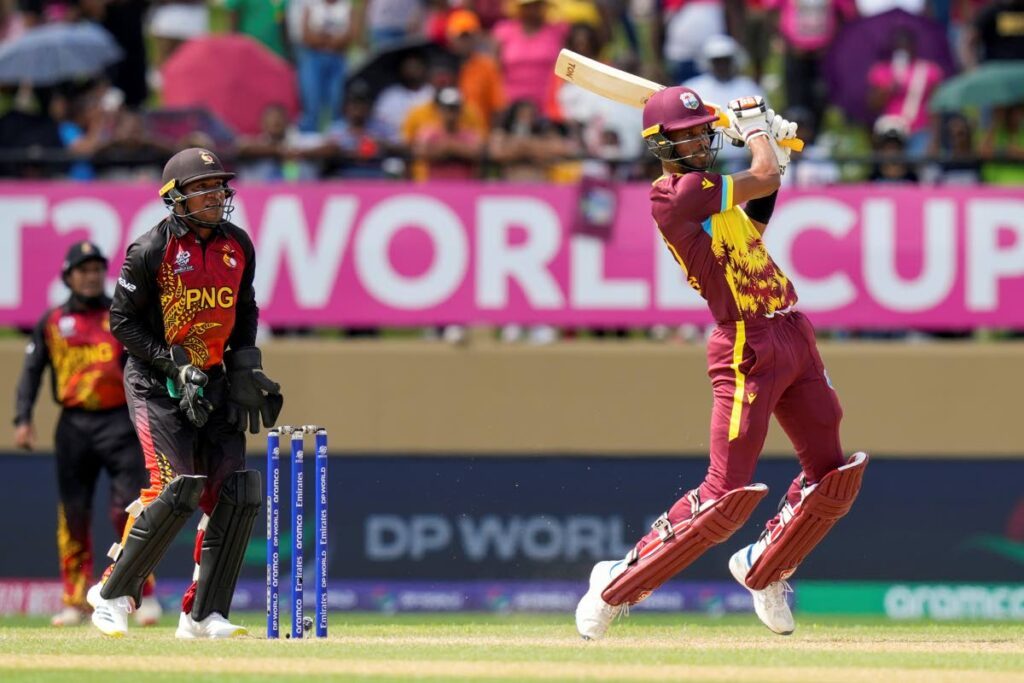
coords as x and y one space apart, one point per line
171 444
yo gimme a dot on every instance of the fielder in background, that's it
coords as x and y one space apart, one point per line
185 309
94 431
762 361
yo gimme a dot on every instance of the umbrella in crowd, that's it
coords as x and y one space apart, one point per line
992 84
381 68
233 76
54 53
861 43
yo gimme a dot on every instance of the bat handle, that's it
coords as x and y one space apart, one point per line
794 144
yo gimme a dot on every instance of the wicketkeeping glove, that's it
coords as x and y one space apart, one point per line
185 382
251 394
749 116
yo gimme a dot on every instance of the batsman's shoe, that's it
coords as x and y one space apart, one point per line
110 616
69 616
770 604
593 614
213 626
149 612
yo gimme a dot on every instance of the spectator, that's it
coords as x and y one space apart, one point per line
263 20
130 154
1003 145
606 129
527 47
808 29
528 146
998 32
756 36
890 148
959 163
85 119
683 27
813 167
720 82
359 140
277 152
431 114
172 23
901 85
450 149
394 102
326 35
392 21
480 80
24 128
124 20
12 21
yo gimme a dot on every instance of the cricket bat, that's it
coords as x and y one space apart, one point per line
624 87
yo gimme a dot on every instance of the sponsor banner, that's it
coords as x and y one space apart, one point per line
509 519
30 596
943 601
397 254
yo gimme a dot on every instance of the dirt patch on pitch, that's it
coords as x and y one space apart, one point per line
493 669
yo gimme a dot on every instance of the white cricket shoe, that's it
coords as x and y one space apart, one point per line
110 616
213 626
69 616
769 604
593 614
149 612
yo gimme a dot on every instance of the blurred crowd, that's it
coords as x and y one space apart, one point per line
289 90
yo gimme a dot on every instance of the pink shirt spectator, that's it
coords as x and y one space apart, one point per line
810 25
526 59
912 88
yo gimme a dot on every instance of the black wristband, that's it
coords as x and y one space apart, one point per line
761 209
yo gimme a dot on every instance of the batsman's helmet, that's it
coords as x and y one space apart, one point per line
188 166
673 109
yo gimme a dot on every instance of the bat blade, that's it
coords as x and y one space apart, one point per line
624 87
606 81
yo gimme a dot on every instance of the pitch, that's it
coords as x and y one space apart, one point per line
445 647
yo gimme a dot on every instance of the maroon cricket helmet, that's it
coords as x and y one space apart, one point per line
676 108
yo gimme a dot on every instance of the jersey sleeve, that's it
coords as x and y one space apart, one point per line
135 299
37 357
691 196
246 311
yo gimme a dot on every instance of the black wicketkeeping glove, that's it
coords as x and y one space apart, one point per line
185 382
251 394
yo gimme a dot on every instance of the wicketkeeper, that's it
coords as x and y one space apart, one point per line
185 309
94 432
762 361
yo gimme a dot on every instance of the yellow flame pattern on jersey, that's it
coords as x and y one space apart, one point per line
179 313
758 285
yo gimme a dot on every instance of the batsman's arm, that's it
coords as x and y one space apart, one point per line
136 304
761 180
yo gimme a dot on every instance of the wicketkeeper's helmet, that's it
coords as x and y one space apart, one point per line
190 165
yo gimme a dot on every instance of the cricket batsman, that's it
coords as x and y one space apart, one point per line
94 432
185 309
762 361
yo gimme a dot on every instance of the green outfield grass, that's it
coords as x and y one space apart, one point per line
443 647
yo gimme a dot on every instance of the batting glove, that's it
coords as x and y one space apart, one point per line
780 128
730 131
749 117
781 156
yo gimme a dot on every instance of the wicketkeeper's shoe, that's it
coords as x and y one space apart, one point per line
593 614
69 616
213 626
149 612
110 616
770 604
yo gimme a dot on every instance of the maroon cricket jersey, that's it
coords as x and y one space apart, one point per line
718 247
85 357
198 285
